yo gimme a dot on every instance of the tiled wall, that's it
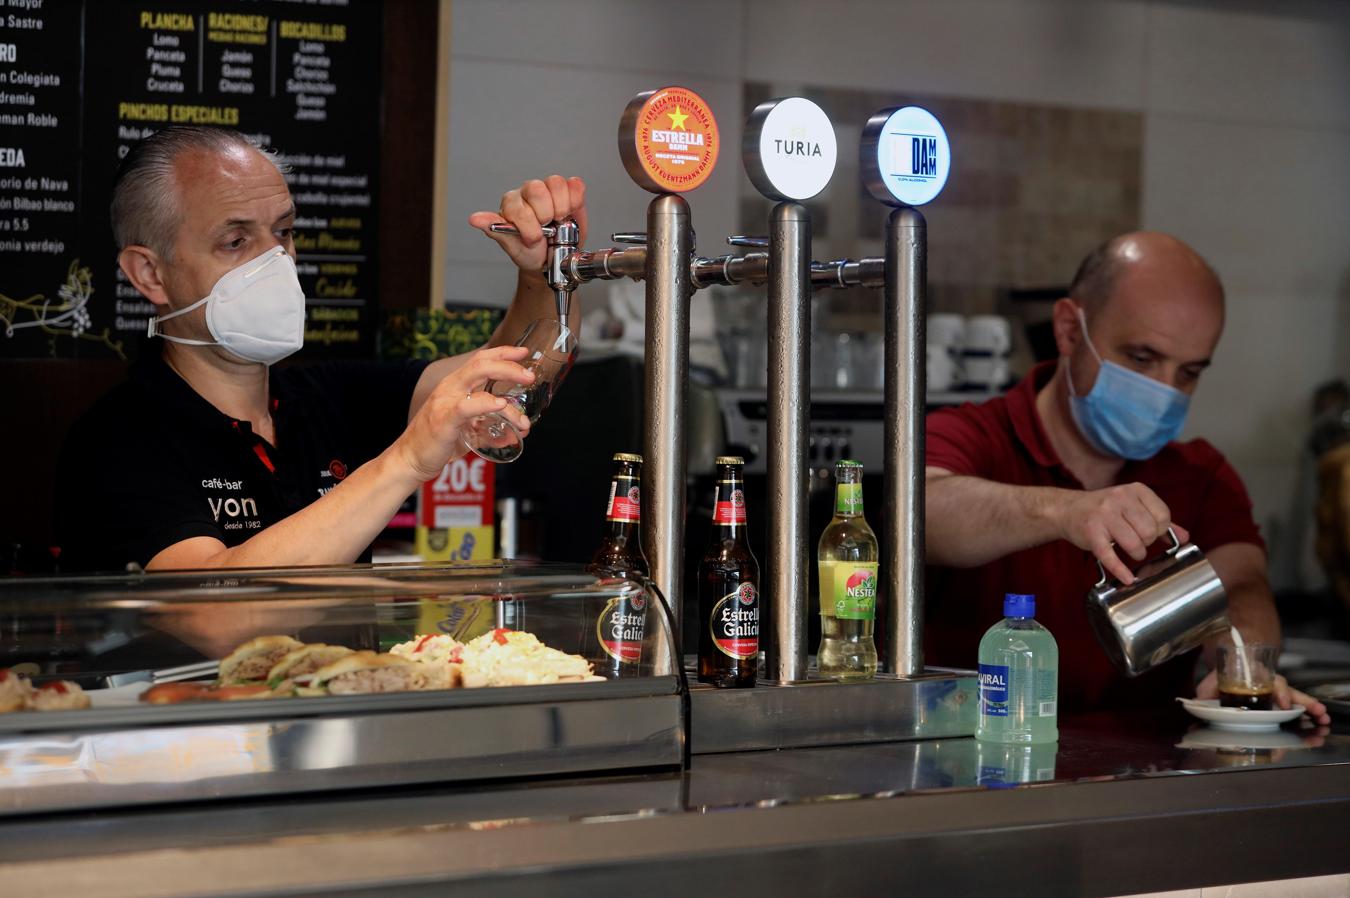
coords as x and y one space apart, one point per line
1242 109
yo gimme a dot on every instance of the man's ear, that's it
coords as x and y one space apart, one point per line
1068 329
144 268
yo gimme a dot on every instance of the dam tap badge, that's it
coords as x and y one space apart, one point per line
905 156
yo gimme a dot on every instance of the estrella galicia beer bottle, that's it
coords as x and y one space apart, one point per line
728 589
616 626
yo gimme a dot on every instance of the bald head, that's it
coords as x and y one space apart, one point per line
1150 303
1148 254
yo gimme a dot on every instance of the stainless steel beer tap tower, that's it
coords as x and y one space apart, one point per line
905 159
789 152
668 142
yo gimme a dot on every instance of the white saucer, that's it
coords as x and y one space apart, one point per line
1239 719
1216 738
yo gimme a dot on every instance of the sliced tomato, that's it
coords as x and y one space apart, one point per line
173 693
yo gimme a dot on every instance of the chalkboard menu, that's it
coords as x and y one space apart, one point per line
80 82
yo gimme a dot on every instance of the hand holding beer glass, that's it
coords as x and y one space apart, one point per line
553 349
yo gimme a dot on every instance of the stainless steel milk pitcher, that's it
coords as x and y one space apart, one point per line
1176 602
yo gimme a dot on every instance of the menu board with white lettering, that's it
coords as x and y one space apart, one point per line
80 82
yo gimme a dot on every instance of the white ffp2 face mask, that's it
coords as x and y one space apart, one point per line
255 311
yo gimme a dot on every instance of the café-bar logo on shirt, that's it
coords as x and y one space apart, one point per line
239 513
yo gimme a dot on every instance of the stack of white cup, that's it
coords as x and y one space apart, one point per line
946 341
968 352
988 342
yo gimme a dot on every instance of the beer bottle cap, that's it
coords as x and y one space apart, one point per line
627 456
729 460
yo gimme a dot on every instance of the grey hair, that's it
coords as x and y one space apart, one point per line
145 204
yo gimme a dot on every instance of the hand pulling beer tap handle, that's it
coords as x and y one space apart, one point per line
563 237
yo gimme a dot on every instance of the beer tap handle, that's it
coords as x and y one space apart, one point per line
743 240
559 232
549 230
632 238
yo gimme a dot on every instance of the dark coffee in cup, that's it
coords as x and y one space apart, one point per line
1253 698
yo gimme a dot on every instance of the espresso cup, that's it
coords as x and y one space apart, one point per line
1247 675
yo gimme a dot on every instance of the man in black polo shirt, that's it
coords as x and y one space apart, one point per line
208 457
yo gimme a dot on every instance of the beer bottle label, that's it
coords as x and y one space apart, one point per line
625 502
621 627
848 498
850 587
734 622
729 506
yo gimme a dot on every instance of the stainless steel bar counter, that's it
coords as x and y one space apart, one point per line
1131 802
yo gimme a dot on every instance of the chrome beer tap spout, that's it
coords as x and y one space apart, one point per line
563 238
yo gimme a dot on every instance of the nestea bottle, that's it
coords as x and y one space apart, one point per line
848 559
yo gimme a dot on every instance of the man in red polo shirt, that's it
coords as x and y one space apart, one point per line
1079 463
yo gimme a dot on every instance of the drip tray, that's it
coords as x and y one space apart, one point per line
940 703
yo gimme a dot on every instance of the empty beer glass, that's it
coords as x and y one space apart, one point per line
553 349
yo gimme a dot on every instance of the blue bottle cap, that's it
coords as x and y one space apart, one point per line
1015 605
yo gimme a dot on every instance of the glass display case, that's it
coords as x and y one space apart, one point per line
146 688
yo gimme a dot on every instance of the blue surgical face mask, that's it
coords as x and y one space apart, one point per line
1126 414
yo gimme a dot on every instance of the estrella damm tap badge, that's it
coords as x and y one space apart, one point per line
674 141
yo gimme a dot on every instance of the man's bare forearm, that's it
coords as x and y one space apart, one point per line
971 521
1251 608
533 299
1251 604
